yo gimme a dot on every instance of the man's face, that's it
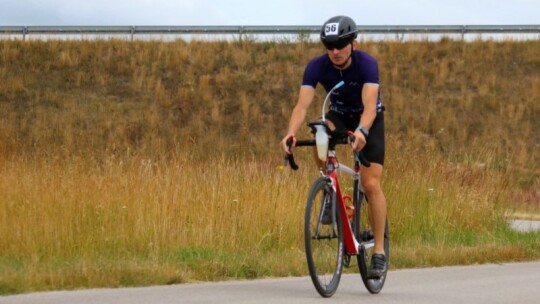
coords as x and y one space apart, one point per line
339 56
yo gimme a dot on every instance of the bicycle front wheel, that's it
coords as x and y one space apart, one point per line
323 237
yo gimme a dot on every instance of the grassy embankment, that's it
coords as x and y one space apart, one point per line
136 163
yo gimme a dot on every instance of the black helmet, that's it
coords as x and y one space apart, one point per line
338 32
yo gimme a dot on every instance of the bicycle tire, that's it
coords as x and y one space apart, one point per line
358 198
364 235
324 243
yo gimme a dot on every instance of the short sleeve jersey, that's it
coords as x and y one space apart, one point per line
348 98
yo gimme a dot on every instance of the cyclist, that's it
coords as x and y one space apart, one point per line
356 106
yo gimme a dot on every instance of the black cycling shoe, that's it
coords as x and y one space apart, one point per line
378 266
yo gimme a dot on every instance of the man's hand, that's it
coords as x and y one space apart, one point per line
359 140
284 144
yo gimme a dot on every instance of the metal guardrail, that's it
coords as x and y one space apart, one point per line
241 30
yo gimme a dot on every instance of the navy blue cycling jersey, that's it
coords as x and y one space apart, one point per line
348 98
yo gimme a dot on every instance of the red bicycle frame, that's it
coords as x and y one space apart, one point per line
351 243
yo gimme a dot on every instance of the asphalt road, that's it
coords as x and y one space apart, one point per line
506 283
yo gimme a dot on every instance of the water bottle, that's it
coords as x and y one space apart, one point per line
321 140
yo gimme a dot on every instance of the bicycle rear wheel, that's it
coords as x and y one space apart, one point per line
324 242
365 236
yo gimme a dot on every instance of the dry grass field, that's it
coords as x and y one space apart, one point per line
137 163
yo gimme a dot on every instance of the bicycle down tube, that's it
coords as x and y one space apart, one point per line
351 243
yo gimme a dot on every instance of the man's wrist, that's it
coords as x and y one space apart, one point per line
364 130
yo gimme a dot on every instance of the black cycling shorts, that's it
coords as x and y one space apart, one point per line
374 148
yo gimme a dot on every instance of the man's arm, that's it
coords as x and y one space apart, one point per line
370 94
298 115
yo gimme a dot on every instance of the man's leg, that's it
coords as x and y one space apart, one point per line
371 181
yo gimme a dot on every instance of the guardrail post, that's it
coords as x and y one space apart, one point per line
463 32
132 33
24 32
241 31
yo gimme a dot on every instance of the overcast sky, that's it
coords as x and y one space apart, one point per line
266 12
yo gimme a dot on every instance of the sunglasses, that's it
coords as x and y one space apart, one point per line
339 45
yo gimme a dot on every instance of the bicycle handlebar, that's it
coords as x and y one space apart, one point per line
289 158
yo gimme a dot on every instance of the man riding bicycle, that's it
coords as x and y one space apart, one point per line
356 106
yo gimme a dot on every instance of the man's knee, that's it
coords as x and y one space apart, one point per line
371 179
371 185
